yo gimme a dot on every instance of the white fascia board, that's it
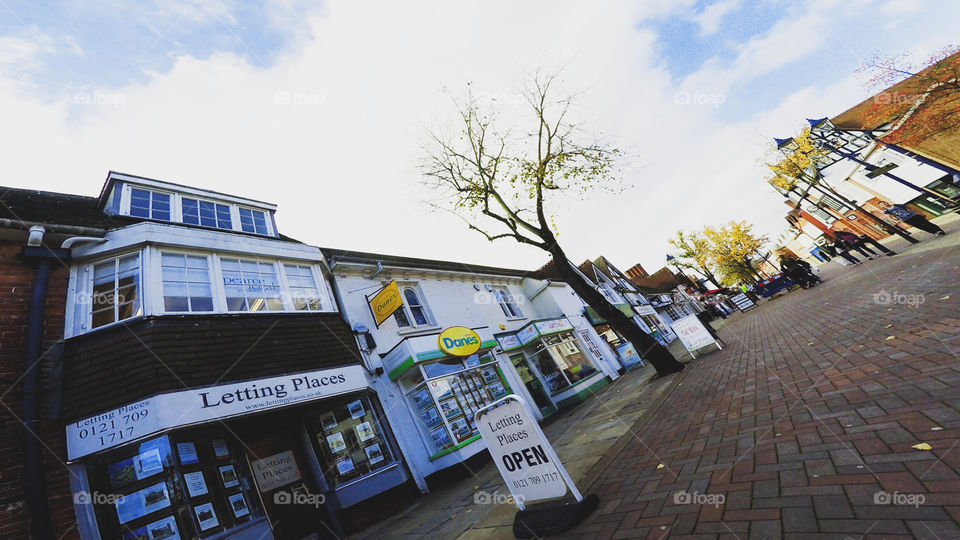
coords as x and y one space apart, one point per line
188 238
358 266
200 193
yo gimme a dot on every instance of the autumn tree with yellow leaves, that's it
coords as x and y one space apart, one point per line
733 247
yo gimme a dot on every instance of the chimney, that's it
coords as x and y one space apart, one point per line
636 271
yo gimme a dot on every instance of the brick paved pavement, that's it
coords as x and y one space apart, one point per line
808 414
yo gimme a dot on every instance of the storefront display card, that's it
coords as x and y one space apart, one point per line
164 529
143 502
196 485
440 388
336 443
422 397
148 464
430 416
229 476
238 504
206 517
345 465
440 437
364 431
356 409
220 448
328 420
188 453
374 455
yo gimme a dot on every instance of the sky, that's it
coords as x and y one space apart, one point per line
324 108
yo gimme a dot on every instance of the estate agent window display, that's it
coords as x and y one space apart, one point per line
350 441
444 395
561 361
185 485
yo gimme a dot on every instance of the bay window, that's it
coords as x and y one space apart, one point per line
562 362
157 281
116 290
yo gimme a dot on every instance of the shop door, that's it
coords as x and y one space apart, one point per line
533 384
291 499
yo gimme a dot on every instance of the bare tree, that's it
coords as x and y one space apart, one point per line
500 185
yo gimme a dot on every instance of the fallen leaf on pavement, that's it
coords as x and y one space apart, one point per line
922 446
660 466
888 326
891 337
947 297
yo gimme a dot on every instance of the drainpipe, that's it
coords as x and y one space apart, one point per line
35 254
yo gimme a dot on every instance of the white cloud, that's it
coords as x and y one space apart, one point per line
712 16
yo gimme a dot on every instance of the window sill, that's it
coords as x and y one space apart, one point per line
417 330
517 318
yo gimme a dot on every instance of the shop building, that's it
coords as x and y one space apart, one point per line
528 334
210 387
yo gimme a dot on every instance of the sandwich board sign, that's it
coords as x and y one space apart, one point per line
523 455
693 334
530 468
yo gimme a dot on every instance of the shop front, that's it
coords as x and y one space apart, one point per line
556 369
278 457
442 387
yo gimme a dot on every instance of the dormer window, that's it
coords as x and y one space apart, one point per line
206 213
149 204
253 221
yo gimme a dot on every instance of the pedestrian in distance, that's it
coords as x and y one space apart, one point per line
841 251
852 242
913 219
865 239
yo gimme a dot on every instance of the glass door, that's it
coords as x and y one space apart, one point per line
533 384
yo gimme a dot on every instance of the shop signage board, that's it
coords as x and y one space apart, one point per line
645 310
528 334
692 333
556 325
523 455
742 302
459 341
509 342
165 411
385 302
628 355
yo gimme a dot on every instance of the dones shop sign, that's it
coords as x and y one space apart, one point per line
164 411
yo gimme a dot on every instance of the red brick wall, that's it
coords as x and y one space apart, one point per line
16 282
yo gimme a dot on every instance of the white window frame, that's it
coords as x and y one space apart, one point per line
508 304
266 219
127 199
427 313
87 295
176 209
199 219
210 280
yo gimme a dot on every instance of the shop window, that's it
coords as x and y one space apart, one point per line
350 441
149 204
172 487
186 283
562 362
413 312
446 394
250 285
116 290
206 213
253 221
507 304
303 287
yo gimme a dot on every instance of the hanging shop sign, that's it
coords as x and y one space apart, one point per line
692 333
385 302
459 341
164 411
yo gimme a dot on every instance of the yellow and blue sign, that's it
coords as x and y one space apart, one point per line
385 302
459 341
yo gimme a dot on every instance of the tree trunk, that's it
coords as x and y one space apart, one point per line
648 347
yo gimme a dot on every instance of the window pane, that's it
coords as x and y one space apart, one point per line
191 214
418 316
443 367
260 222
246 220
401 317
175 303
201 304
223 217
186 278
